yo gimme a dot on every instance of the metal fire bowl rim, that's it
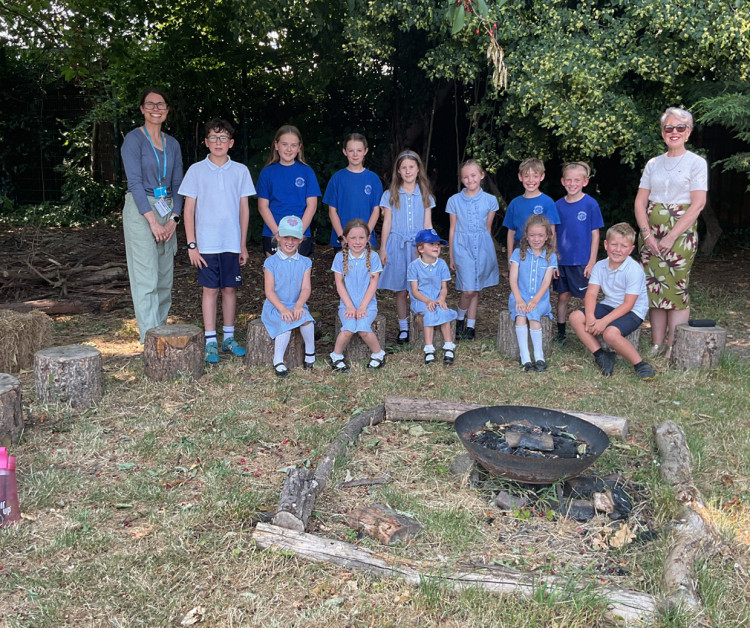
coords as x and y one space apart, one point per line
530 470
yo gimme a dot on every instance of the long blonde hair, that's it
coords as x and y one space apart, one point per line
425 189
293 130
352 224
550 246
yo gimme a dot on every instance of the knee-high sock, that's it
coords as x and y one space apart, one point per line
523 343
308 335
280 345
536 341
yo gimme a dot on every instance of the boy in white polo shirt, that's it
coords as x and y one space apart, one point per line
216 214
623 308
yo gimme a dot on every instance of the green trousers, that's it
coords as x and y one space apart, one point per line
150 267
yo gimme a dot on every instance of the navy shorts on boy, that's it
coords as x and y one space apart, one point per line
627 323
572 279
222 271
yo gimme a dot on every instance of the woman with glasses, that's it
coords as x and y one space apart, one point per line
671 195
153 166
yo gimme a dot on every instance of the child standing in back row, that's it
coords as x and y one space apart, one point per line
356 269
577 240
472 250
531 268
287 186
216 215
407 208
532 202
286 276
353 192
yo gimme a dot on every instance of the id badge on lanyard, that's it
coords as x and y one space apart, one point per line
160 192
161 206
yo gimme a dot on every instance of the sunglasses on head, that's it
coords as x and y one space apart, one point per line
680 128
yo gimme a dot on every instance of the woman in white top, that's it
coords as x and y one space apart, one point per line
670 197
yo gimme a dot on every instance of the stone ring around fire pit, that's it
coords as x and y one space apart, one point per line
539 465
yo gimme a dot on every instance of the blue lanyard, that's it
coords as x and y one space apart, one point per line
158 161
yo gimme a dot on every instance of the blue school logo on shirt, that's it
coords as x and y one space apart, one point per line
299 182
368 190
581 216
538 209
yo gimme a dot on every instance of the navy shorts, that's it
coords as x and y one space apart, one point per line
306 247
571 280
627 324
222 271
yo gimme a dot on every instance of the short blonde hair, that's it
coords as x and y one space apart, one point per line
532 163
622 229
572 165
682 115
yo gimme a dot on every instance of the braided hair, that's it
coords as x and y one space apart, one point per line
355 222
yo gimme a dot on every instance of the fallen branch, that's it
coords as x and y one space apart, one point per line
381 479
51 306
695 533
632 606
412 409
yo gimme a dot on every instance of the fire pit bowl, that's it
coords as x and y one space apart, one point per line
530 470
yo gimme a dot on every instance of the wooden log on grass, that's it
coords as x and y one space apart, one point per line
11 411
303 486
70 374
357 350
697 347
634 338
507 342
632 606
260 346
414 409
383 523
23 334
173 349
416 331
694 534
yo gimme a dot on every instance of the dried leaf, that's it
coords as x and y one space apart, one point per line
139 533
194 616
417 431
622 537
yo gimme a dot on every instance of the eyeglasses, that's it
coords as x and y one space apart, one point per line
155 105
680 128
218 139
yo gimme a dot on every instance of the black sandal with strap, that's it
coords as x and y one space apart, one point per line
339 366
280 372
306 364
448 356
429 357
379 365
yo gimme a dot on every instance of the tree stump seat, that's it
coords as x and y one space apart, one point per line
357 350
697 347
70 374
173 349
260 346
11 410
634 339
416 331
507 342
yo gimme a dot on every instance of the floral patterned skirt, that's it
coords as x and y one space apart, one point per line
668 275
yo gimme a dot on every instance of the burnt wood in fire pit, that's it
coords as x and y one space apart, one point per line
533 470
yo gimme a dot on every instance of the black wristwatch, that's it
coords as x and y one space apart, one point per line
176 218
192 245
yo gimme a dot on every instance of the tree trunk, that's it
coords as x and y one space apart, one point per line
713 228
357 350
634 338
260 346
416 332
173 349
697 347
507 342
11 410
71 374
383 524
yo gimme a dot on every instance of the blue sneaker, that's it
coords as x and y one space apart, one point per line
212 353
230 345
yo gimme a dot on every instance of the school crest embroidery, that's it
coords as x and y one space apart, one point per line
299 182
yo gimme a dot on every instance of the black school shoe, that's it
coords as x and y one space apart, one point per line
644 370
403 337
606 362
460 329
469 333
449 355
540 366
527 366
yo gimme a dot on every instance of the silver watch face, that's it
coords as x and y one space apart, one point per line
192 245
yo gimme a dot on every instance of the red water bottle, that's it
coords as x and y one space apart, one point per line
9 511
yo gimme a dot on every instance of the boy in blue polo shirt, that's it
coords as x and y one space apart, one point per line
216 214
577 240
623 308
532 201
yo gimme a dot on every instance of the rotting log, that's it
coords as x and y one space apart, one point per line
694 533
173 349
631 606
357 350
303 486
11 410
697 347
415 409
383 523
52 306
70 374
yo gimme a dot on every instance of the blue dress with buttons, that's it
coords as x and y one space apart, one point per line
531 273
406 222
473 250
430 278
288 274
357 280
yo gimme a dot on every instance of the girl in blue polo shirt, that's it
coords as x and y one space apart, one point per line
531 269
287 186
